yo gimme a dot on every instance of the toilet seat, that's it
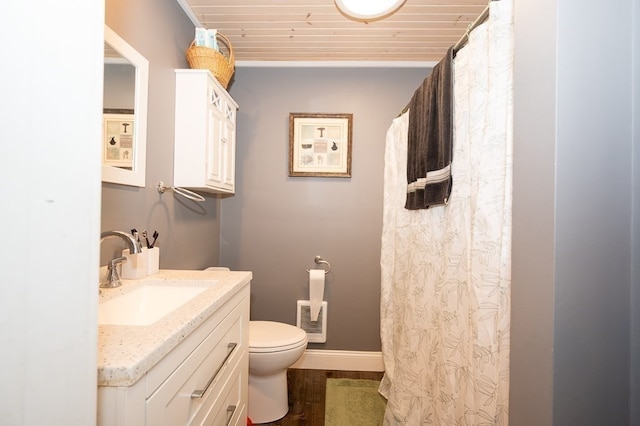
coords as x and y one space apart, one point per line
270 336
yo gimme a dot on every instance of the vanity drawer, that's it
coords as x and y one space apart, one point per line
230 408
206 369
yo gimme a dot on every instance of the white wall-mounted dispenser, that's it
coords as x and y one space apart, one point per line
316 330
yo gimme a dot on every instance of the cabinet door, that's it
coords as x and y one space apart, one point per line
228 146
221 140
215 136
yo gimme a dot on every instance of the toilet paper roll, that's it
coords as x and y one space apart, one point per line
316 291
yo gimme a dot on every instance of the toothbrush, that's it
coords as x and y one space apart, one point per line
144 235
155 237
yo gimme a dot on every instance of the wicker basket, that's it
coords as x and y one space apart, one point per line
221 66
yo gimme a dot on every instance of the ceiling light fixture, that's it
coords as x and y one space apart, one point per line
368 10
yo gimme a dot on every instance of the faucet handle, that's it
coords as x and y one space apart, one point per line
112 279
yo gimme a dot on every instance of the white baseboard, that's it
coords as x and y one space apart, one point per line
317 359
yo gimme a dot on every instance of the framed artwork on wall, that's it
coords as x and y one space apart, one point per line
320 144
118 139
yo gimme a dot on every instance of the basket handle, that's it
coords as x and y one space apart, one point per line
228 43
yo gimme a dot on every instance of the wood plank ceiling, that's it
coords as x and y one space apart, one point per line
314 30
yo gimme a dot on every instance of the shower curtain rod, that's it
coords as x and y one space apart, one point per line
465 37
463 40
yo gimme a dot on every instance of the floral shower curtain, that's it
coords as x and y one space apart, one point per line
445 300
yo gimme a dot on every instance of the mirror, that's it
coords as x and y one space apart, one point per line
124 130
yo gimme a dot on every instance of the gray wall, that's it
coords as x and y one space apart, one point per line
573 226
533 252
119 86
189 231
275 224
593 214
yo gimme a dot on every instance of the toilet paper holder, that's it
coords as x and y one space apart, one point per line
320 261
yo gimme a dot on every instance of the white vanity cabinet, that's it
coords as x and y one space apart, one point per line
201 381
205 133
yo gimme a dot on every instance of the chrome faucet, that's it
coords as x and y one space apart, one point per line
112 278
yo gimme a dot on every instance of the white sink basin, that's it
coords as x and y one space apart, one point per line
147 304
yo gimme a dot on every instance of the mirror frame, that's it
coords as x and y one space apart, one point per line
135 177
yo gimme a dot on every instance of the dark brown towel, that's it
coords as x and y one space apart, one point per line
430 138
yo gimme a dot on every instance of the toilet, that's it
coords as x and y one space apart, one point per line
273 348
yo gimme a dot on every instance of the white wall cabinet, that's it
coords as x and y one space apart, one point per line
205 133
202 381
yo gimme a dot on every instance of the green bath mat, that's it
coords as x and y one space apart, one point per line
353 402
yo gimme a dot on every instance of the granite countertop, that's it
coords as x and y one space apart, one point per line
126 353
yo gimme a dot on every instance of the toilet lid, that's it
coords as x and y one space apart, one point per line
270 336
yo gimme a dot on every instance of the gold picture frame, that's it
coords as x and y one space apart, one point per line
320 144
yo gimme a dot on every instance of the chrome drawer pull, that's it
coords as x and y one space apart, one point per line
200 393
231 410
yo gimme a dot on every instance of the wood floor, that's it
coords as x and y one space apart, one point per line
307 391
